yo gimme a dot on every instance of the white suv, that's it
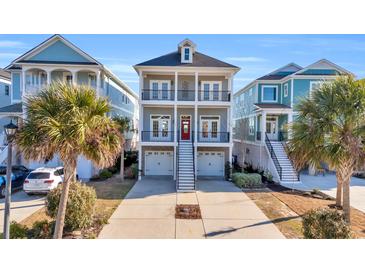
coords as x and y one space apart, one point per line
43 179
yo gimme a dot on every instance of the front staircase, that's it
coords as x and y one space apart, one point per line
283 165
185 167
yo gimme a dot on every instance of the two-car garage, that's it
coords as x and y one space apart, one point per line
158 162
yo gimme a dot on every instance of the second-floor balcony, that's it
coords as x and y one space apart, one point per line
157 136
186 95
213 137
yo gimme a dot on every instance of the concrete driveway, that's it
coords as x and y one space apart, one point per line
148 211
22 206
328 183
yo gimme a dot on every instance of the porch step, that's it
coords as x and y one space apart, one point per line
185 176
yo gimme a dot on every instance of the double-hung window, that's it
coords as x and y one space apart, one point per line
186 54
315 85
269 94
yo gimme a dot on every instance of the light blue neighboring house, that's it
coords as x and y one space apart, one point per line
264 107
5 83
58 59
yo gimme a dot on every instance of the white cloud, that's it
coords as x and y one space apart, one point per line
11 44
250 59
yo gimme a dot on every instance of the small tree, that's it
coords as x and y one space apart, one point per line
330 127
124 127
69 121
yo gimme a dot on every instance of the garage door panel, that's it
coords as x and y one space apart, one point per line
159 163
210 163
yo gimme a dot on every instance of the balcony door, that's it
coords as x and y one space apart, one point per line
211 91
160 90
160 125
185 127
209 128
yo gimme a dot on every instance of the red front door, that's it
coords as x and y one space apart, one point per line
185 128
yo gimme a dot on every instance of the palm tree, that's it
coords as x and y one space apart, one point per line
330 128
124 127
69 121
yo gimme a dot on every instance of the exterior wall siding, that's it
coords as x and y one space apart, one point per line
59 52
15 86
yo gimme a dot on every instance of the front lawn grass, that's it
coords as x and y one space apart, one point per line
285 207
110 194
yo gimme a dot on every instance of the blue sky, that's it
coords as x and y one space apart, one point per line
256 55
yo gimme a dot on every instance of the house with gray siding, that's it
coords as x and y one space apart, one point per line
264 108
57 59
185 115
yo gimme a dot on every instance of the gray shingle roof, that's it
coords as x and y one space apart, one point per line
4 74
174 59
14 108
272 77
271 105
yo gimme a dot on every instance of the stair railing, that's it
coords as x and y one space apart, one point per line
291 161
193 150
177 160
273 156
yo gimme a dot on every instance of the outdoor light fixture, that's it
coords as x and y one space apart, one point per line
10 131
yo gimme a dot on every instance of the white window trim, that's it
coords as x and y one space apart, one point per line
201 126
276 122
262 93
89 76
183 55
311 84
159 84
287 90
211 93
251 130
152 138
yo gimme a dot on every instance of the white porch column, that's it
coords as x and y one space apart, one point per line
98 81
175 124
140 126
176 86
196 86
175 163
49 75
74 77
263 126
23 82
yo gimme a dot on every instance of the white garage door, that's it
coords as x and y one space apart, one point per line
159 163
210 163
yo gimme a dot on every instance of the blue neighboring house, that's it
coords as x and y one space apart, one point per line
264 107
57 59
5 82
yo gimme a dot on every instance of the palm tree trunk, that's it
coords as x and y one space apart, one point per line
344 173
339 193
122 164
70 174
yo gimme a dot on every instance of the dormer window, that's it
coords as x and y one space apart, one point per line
186 55
186 49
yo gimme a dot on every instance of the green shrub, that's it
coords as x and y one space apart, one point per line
325 224
105 174
228 171
113 169
134 168
18 231
247 180
42 230
80 205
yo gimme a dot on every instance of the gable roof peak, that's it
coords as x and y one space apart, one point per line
186 43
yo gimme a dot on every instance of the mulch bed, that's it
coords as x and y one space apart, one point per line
187 212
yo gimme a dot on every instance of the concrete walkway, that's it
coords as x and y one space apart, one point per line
328 184
148 211
22 206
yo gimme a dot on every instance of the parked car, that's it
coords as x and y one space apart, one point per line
42 180
18 175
